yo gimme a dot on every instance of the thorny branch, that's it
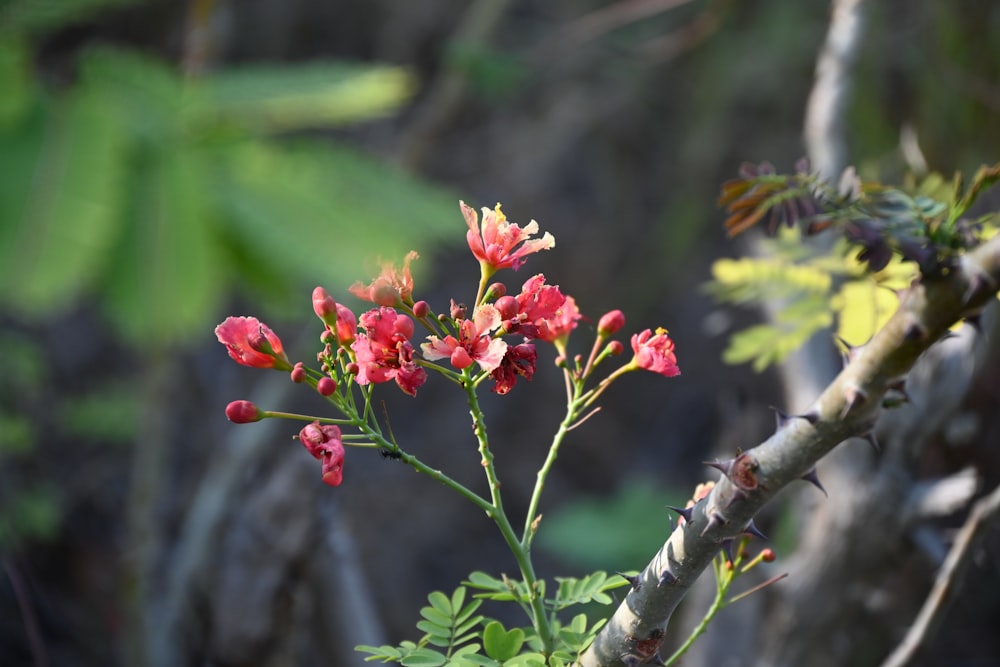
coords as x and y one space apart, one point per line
849 407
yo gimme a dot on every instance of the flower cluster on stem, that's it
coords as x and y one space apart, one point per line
493 341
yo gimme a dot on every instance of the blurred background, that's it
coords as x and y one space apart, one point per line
165 164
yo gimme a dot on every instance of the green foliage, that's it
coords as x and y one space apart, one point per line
454 634
889 236
161 196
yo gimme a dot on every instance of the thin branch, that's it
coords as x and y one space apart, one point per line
948 582
824 123
36 645
848 407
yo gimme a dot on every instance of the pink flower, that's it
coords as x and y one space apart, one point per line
655 352
392 287
325 443
474 342
544 312
495 242
251 343
519 360
384 352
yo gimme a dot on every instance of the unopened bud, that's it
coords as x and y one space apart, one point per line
457 311
421 309
326 386
243 412
495 291
507 307
610 323
352 368
616 347
298 373
768 555
325 307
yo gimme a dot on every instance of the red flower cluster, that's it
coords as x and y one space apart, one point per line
543 312
384 351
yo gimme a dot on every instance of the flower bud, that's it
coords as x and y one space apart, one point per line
616 347
353 368
610 323
326 386
325 307
507 306
298 373
421 309
768 555
243 412
495 291
457 310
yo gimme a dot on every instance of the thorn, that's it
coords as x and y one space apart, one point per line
685 513
914 332
666 577
781 418
977 283
812 416
714 520
741 471
850 351
813 479
870 437
899 386
853 397
752 529
633 580
727 546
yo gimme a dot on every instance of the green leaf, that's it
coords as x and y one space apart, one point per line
349 207
437 616
60 187
502 644
484 581
526 660
280 98
149 97
424 657
434 630
441 603
384 653
18 87
166 281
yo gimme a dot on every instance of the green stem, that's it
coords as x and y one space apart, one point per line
496 512
717 605
572 410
